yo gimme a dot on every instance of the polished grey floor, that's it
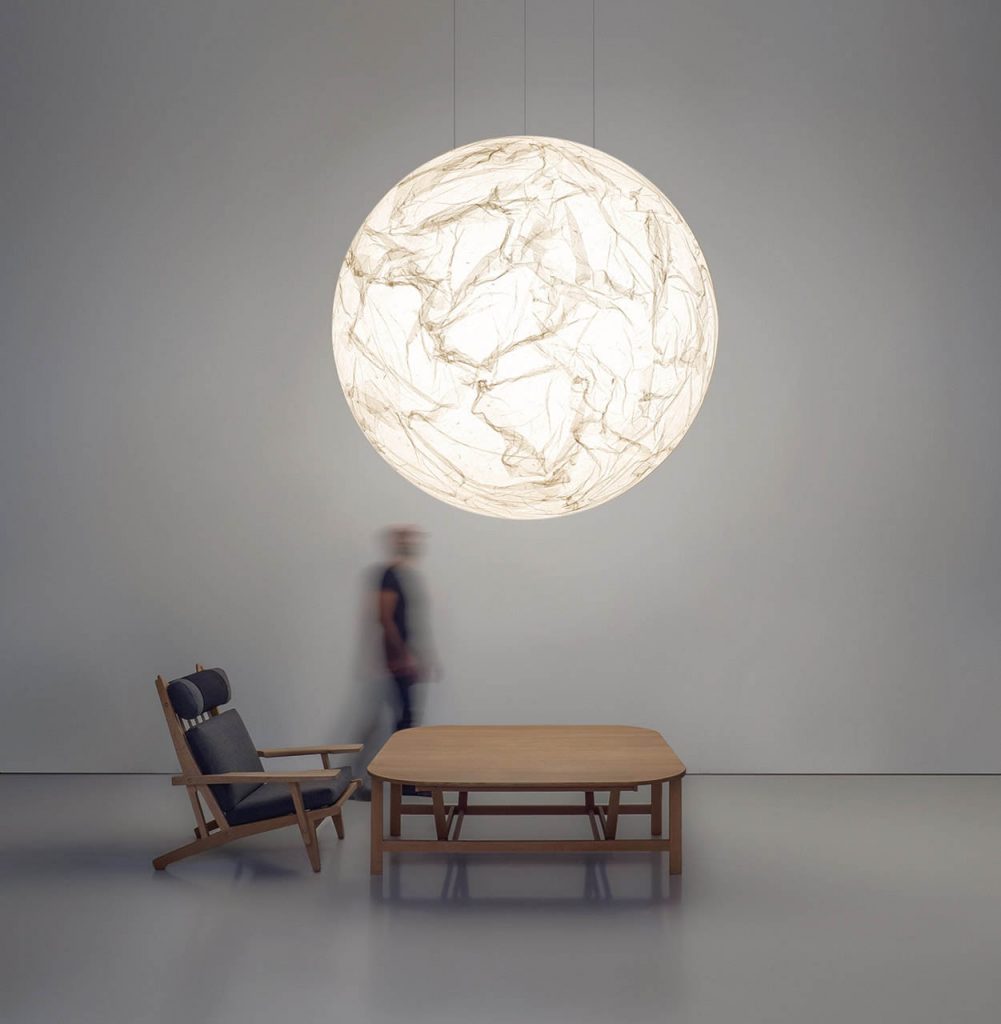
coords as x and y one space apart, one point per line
804 899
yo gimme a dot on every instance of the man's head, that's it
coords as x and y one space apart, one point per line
404 542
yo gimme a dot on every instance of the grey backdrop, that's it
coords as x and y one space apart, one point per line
812 582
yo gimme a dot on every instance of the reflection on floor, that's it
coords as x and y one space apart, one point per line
804 899
648 887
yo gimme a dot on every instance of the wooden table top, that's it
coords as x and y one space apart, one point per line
526 757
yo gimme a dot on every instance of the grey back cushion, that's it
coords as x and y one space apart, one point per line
222 744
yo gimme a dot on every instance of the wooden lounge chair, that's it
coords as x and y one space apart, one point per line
221 768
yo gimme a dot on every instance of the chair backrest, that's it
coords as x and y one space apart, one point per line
198 695
206 740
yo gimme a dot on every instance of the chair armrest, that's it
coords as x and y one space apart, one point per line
341 748
319 775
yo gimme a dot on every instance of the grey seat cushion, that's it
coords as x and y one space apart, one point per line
222 744
274 799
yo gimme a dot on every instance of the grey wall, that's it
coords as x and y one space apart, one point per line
812 582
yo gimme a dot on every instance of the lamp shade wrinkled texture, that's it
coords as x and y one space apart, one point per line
524 327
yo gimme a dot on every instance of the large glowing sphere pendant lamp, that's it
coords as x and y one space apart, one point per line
524 327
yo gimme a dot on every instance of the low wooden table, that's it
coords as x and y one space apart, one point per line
588 759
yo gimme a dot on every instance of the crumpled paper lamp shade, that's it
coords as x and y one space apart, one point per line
524 327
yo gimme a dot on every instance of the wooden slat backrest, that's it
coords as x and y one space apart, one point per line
177 727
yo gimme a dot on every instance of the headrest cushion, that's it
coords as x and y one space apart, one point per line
191 696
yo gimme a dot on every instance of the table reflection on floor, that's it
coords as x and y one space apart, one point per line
543 881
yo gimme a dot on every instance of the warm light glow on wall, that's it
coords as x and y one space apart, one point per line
524 327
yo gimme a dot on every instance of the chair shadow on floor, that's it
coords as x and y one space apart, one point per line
120 860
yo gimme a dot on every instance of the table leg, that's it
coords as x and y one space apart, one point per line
440 821
656 808
395 807
460 814
612 821
674 824
377 827
592 813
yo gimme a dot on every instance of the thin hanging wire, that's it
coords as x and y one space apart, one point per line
453 73
524 70
594 4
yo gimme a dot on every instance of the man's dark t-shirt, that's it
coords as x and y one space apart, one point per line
391 582
404 679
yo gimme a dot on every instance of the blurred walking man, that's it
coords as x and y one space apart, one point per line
400 657
401 610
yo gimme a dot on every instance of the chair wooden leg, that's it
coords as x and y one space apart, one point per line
306 826
337 817
201 829
313 853
395 808
188 850
674 824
